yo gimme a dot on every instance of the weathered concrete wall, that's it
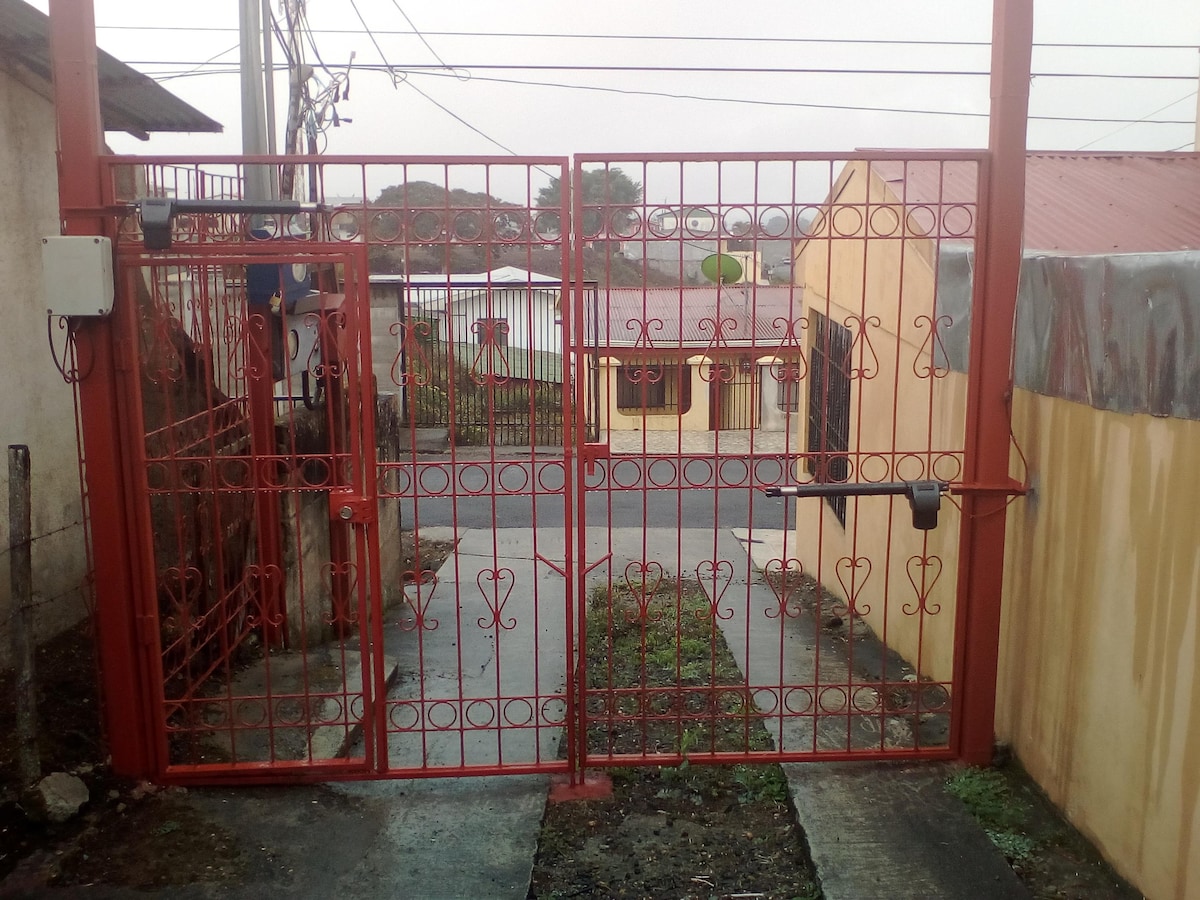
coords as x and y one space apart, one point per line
308 571
36 406
1100 643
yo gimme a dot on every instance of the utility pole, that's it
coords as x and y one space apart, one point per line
259 182
268 42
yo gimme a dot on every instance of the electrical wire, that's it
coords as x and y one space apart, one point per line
396 79
746 101
1187 96
717 70
417 32
765 39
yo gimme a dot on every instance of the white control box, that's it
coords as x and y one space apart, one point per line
78 275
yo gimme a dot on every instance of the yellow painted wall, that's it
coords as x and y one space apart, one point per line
906 423
1100 669
1100 638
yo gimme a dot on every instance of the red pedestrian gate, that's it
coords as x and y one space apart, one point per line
704 503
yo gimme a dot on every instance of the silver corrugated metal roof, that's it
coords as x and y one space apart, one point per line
129 100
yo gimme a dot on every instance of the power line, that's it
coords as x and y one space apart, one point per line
1187 96
678 38
391 71
746 101
1184 146
417 32
715 70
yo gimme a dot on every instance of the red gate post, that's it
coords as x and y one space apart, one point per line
115 558
994 301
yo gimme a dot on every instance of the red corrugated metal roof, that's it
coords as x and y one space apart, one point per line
1080 203
685 317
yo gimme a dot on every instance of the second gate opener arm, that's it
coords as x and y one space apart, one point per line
925 497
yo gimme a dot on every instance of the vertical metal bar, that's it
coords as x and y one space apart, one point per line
29 766
574 493
998 269
80 194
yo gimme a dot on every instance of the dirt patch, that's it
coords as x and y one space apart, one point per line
696 831
1054 860
683 830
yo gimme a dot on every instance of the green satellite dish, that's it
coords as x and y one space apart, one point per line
721 268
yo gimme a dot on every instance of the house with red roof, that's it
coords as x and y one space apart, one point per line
715 358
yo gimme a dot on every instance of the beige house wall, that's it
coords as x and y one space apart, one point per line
906 423
1099 688
36 407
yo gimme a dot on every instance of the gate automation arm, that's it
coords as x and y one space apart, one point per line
157 212
925 497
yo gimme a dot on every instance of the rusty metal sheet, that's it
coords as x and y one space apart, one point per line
1118 332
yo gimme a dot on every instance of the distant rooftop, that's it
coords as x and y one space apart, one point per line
686 317
129 100
502 275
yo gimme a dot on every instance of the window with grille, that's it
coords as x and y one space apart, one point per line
829 406
642 387
787 397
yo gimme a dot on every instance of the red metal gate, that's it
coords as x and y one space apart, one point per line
329 587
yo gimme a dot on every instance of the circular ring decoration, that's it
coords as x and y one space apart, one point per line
884 221
426 225
847 220
768 471
947 467
510 484
547 227
662 473
518 712
468 226
440 480
386 226
874 468
910 467
480 714
343 225
922 221
958 220
798 701
773 222
404 716
442 715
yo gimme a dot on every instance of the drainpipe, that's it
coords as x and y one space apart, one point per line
989 415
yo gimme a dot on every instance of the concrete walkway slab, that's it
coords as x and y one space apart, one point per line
889 831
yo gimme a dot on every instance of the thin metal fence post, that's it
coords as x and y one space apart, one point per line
29 766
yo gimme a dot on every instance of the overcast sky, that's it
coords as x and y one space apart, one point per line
765 114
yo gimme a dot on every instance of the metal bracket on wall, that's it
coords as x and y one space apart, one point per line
924 497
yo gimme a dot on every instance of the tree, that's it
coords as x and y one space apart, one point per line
601 187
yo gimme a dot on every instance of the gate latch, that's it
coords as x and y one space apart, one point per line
924 497
349 506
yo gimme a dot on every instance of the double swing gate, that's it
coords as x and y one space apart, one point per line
732 533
